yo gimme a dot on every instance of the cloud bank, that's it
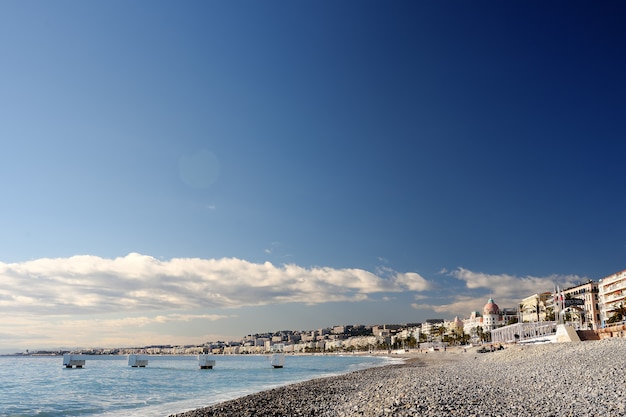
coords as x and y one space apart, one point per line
506 290
90 284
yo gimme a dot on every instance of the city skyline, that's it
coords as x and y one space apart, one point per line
178 173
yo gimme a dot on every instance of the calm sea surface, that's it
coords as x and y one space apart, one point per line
41 386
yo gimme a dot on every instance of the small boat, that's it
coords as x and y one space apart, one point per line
277 360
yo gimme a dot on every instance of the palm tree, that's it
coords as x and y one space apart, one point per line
480 333
441 330
411 342
618 316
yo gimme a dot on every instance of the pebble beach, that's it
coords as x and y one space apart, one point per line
564 379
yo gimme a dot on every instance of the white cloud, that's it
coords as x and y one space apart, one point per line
90 284
460 305
506 290
412 281
511 286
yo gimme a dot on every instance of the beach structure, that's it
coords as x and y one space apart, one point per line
533 332
136 361
277 360
537 332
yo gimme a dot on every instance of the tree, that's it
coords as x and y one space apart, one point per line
410 341
441 330
480 333
536 308
618 316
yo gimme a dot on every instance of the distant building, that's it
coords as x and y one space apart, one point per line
491 316
474 320
509 315
455 326
429 325
339 329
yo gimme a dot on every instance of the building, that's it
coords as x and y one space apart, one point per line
430 326
471 323
586 311
491 316
535 308
455 326
612 296
509 315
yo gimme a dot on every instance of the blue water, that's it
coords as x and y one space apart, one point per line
41 386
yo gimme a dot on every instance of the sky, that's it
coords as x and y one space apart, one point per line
193 171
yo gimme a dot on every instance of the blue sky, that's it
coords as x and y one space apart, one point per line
176 172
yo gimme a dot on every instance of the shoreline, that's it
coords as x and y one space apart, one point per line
565 379
313 397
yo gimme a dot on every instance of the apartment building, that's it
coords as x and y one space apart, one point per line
612 295
534 308
588 313
430 325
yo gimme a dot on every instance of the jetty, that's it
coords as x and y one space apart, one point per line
277 360
71 360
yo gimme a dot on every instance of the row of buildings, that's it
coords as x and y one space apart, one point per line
592 305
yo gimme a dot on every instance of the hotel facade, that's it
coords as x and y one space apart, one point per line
612 295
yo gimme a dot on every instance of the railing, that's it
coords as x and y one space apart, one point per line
521 332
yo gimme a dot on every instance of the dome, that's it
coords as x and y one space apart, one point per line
491 308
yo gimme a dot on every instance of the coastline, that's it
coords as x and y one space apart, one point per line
564 379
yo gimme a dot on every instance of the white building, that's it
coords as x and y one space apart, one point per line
429 326
534 308
612 294
490 319
491 316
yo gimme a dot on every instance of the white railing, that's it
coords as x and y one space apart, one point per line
524 332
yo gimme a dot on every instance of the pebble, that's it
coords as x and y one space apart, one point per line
549 380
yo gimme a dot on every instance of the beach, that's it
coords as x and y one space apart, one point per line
566 379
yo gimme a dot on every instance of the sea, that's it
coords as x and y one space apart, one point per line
42 386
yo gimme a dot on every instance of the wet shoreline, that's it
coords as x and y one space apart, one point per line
543 380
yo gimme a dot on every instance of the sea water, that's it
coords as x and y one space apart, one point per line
41 386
